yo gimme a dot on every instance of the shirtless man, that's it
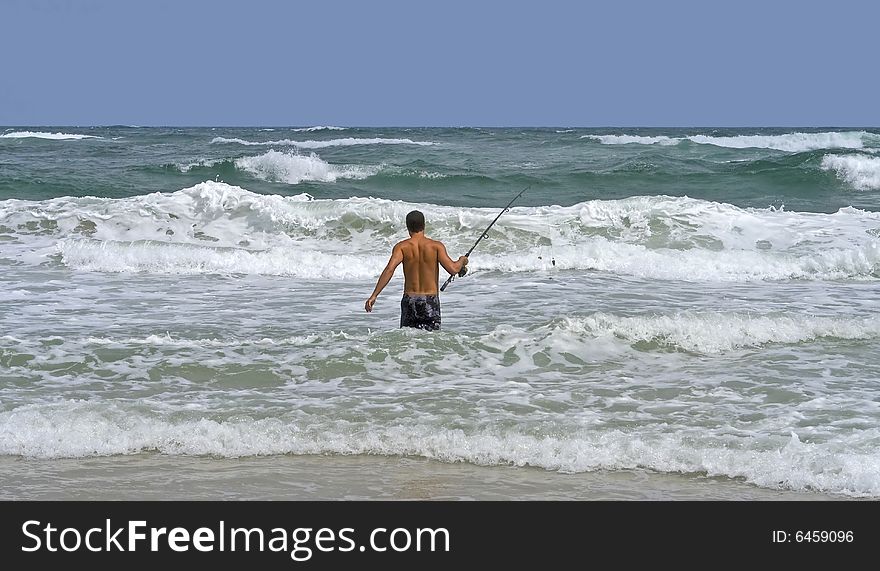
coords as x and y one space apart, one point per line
421 257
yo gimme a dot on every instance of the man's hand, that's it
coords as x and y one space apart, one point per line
369 304
463 260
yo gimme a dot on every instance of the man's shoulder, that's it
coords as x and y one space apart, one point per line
408 243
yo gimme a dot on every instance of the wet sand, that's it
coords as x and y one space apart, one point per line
153 476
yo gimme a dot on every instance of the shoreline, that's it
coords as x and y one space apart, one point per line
153 476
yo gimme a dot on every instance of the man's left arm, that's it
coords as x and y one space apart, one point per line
447 263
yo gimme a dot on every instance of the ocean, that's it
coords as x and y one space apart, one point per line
679 313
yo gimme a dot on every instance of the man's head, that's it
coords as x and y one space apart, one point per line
415 222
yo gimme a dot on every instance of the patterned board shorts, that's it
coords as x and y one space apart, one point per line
420 311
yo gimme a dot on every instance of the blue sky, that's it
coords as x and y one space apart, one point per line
440 63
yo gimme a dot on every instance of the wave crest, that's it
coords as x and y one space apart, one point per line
717 333
294 168
318 128
629 139
860 171
72 429
42 135
789 142
347 142
244 232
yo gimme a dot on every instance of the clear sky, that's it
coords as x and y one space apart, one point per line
440 62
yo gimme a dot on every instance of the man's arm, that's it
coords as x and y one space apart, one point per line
385 276
448 264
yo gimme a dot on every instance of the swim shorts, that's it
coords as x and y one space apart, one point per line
420 311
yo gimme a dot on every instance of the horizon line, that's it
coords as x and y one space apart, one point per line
344 126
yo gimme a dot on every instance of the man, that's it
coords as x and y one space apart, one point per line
421 257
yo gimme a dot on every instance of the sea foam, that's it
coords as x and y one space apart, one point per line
346 142
710 332
318 128
628 139
163 258
860 171
294 168
790 142
42 135
95 428
216 227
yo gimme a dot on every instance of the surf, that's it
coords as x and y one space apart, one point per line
214 227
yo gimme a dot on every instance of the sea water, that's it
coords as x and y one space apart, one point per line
685 305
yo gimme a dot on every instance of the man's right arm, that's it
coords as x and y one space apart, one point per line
385 277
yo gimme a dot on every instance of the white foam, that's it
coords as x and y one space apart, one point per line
294 168
95 428
209 213
214 226
630 139
693 331
319 128
349 141
431 175
860 171
167 340
717 332
185 259
186 167
790 142
42 135
687 239
694 265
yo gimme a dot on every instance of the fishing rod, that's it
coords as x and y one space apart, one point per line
483 235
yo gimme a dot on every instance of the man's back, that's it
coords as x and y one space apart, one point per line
421 268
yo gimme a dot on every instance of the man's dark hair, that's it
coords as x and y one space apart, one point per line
415 221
